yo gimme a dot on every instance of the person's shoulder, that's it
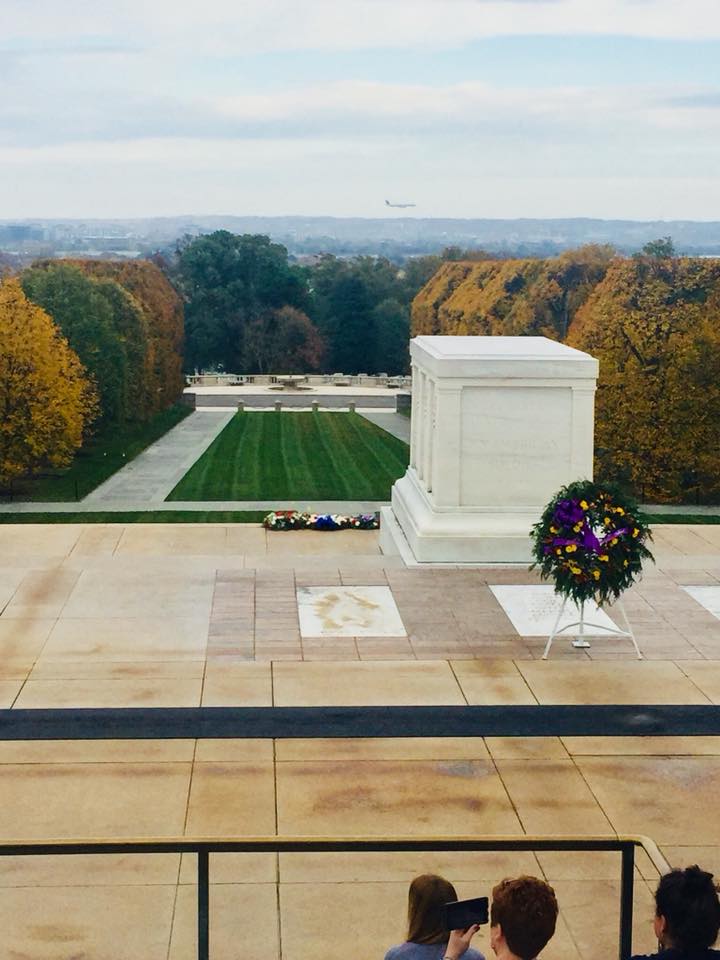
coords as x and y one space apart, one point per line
399 952
416 951
472 954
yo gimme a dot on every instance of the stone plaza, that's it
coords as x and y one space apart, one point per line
182 615
111 616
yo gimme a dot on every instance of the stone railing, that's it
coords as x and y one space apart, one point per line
323 379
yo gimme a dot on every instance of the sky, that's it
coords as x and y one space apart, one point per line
467 108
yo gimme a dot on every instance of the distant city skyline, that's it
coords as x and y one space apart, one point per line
468 108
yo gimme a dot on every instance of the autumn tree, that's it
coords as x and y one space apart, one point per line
283 341
46 399
158 325
528 297
654 324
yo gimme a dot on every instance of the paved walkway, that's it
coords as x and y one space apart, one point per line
139 593
150 477
393 423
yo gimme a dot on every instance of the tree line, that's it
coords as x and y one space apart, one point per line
248 308
85 347
652 320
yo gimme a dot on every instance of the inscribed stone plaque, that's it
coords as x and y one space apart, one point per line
533 611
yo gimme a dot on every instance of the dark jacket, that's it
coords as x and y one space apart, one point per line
673 953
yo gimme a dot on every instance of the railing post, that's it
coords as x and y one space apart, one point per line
203 905
627 876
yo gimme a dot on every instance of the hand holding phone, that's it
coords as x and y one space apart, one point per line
462 914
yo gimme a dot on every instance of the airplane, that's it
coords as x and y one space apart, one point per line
400 206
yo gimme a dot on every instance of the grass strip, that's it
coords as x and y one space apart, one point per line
296 456
99 459
688 518
146 516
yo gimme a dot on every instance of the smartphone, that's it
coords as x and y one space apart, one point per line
462 914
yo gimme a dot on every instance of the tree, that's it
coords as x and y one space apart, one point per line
660 249
46 399
415 274
228 283
159 326
529 297
360 307
656 331
79 306
343 309
283 341
391 320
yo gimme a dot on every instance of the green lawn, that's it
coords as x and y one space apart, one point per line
145 516
228 516
296 456
98 460
699 518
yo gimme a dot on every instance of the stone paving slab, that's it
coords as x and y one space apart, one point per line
394 423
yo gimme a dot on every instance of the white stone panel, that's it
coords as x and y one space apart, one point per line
708 597
517 446
348 612
533 611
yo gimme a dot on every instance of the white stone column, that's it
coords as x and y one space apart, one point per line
415 415
427 427
446 466
582 440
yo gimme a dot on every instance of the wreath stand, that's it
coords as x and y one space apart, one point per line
580 640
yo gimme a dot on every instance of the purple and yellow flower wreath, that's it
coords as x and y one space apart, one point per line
590 541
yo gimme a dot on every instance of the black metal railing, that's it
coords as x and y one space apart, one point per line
202 848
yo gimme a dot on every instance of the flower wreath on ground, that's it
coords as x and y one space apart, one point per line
295 520
591 541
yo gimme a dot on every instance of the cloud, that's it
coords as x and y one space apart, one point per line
178 97
232 27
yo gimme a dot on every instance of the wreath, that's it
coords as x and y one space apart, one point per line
591 541
295 520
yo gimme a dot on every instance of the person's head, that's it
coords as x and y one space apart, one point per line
687 910
427 896
522 916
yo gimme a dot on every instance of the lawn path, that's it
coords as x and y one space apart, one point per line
388 456
298 442
350 468
304 456
244 472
